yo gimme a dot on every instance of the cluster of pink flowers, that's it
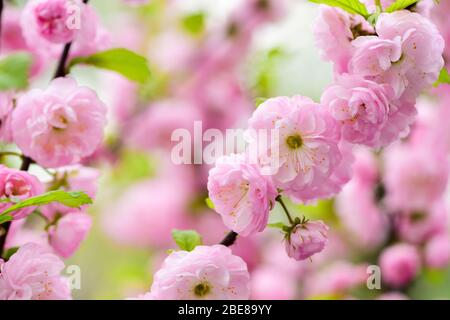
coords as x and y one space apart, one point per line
306 153
380 71
53 128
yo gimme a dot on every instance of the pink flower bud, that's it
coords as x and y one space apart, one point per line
399 264
66 236
17 185
306 239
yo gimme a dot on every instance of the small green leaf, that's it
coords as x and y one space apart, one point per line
259 101
194 23
400 4
5 218
123 61
444 77
14 71
209 203
73 199
186 239
351 6
277 225
9 253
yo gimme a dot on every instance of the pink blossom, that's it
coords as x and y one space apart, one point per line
300 145
268 283
33 273
306 239
399 264
147 212
48 24
437 251
241 194
407 54
417 176
334 31
16 185
206 273
59 125
362 107
70 230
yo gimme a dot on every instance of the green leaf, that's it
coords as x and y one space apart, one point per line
8 254
351 6
277 225
5 218
73 199
123 61
14 71
186 239
444 77
209 203
194 23
400 4
259 101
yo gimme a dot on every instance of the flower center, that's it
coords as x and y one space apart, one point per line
294 142
202 289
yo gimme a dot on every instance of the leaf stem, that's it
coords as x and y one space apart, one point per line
285 209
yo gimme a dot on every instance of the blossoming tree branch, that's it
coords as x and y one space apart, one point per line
384 55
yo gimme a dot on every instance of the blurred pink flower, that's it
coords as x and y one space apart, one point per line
417 176
356 204
306 146
399 264
49 24
362 107
146 213
66 236
59 125
392 296
418 226
335 279
306 239
268 283
33 273
16 185
206 273
12 40
334 31
437 251
6 108
241 194
153 128
20 234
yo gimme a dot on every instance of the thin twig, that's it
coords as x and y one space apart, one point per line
285 209
229 239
